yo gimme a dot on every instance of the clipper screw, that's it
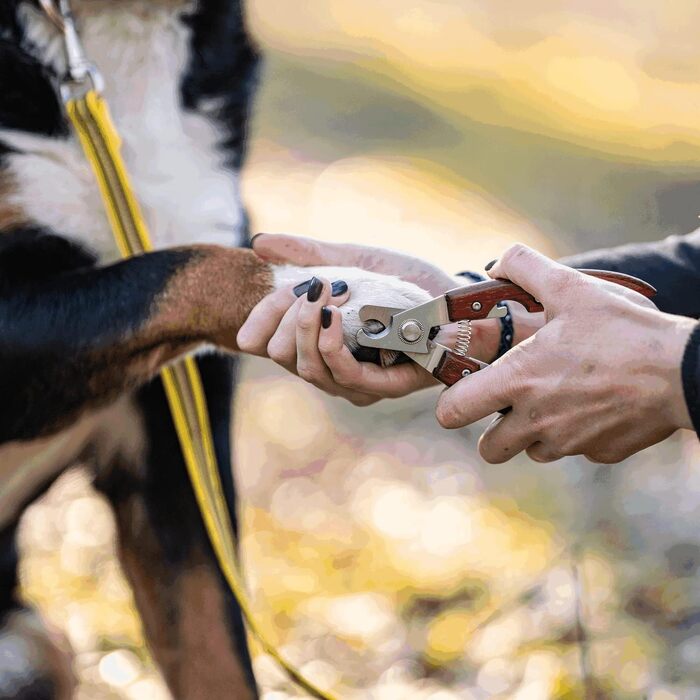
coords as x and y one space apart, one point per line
411 331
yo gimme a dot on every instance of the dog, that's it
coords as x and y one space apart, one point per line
83 334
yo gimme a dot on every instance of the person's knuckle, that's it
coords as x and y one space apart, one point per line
328 348
307 372
604 456
305 323
564 281
277 351
538 454
246 343
361 401
539 422
515 252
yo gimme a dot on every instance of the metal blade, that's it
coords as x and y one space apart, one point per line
426 316
383 314
497 312
431 359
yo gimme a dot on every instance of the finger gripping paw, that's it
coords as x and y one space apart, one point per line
277 352
307 373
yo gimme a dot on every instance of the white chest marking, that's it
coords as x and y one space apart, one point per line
186 194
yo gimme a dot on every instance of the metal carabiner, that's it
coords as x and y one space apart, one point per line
78 67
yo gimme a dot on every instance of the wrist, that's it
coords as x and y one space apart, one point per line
676 334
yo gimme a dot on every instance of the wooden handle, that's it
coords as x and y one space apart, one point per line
475 301
453 367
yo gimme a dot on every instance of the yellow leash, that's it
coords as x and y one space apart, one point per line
100 141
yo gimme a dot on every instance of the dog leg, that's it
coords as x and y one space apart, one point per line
77 340
192 621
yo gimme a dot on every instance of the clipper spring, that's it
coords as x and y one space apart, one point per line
464 338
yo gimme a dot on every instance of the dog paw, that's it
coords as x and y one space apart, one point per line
364 288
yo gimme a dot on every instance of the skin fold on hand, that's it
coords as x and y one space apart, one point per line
601 378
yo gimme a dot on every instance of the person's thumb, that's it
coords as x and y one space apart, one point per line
548 281
297 250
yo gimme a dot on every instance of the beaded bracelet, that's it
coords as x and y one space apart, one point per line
506 340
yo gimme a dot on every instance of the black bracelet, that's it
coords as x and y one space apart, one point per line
506 341
473 276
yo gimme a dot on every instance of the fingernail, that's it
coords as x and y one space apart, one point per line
326 317
315 289
338 287
302 288
488 266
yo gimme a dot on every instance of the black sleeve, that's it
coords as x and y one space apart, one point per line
691 377
671 265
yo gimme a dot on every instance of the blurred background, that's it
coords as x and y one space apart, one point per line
387 560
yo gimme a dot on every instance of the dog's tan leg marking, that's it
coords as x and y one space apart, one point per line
155 307
205 301
183 614
214 294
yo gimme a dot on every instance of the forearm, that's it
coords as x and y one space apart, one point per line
671 265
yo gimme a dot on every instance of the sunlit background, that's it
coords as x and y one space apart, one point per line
382 554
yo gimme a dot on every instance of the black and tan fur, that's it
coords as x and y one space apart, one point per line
83 335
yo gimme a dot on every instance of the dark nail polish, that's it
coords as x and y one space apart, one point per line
488 266
326 317
338 287
302 288
315 289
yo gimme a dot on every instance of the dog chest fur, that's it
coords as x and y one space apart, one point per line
173 154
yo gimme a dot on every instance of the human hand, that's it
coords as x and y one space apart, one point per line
601 378
311 337
291 333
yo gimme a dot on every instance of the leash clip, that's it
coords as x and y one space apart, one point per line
81 74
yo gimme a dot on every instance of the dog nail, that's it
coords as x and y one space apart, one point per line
338 287
326 317
315 289
302 288
488 266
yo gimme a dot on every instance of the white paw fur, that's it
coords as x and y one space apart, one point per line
365 288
